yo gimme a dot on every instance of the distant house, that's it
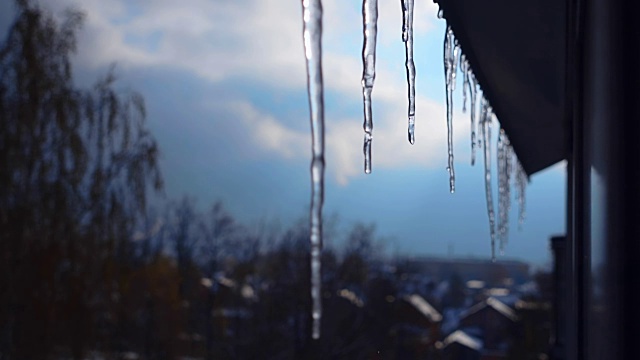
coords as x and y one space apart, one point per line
418 325
461 346
346 317
494 322
416 311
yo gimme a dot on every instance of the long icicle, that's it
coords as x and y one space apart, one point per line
449 66
312 36
486 139
502 202
407 37
464 68
509 169
370 30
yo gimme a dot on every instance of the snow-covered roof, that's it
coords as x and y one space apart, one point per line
424 307
351 296
223 280
463 338
496 304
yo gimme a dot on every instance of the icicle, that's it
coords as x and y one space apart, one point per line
449 67
472 103
521 180
464 68
454 61
407 37
509 164
312 36
502 190
507 181
440 13
370 29
486 138
483 114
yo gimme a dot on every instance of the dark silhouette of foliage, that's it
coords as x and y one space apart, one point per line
75 170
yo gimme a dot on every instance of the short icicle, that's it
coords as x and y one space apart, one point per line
521 180
472 104
464 68
486 139
449 69
407 37
454 61
509 155
370 30
312 36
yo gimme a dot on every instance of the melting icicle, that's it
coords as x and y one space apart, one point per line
454 61
449 70
509 170
472 104
521 180
486 138
370 29
503 215
312 36
483 114
464 68
407 37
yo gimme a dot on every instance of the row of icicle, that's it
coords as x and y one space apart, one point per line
508 166
507 163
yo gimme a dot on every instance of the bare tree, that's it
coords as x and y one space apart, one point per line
75 169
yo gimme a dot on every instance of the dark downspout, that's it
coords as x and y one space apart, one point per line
612 129
573 309
558 345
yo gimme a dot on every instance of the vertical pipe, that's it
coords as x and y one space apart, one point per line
577 256
558 245
611 88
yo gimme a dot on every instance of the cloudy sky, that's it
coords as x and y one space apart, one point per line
225 86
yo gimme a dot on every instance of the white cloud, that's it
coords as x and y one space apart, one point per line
268 132
344 139
218 39
260 40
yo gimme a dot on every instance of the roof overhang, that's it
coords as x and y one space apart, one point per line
516 50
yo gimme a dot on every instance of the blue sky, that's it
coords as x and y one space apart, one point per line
225 89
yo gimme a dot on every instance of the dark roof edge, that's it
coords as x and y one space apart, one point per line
488 92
